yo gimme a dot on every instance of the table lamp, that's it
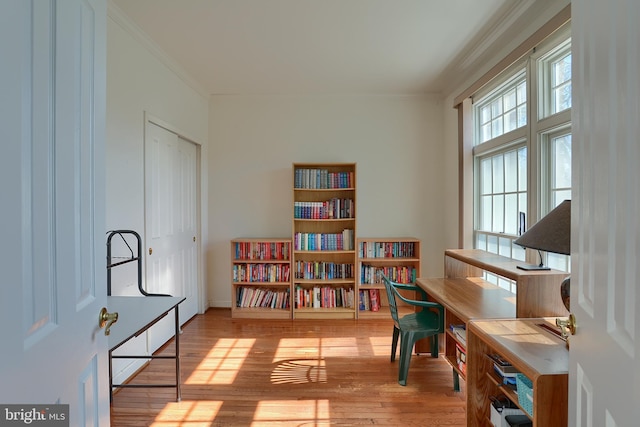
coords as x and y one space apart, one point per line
551 234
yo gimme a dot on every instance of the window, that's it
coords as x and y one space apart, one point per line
503 111
522 150
554 73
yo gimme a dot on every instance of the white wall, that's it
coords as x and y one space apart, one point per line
396 142
138 82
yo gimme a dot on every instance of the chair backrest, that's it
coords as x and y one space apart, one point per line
391 296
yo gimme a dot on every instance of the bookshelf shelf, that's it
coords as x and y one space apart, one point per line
323 238
261 278
397 257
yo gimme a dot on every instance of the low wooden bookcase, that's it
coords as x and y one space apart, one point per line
398 258
261 278
534 351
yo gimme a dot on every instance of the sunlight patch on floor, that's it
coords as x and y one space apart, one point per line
380 346
188 413
305 412
223 362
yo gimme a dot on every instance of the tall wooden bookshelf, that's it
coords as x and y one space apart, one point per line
324 238
261 278
398 258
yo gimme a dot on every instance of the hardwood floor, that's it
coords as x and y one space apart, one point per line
239 372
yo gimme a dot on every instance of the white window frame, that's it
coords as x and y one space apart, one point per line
542 125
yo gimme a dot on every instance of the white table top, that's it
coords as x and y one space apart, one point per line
136 314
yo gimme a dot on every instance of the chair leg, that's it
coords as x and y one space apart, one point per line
434 346
456 381
406 345
394 343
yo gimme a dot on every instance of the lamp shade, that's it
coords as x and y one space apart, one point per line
552 233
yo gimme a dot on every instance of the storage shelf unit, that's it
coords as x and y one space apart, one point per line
467 296
398 258
531 349
261 278
324 236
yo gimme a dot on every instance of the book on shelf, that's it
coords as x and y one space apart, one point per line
374 298
369 300
460 333
262 251
324 241
321 270
317 178
335 208
370 249
505 370
250 297
461 358
323 297
371 275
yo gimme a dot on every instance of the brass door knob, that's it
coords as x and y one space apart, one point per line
567 325
107 319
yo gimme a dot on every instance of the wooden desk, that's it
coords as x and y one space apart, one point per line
135 316
534 351
464 300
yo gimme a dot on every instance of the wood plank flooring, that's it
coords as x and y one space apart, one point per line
241 372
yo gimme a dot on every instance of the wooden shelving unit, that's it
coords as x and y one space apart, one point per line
467 296
261 278
324 238
531 349
397 257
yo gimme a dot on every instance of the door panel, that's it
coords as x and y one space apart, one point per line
52 178
171 225
605 246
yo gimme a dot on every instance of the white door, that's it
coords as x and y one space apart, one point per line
604 388
52 257
170 223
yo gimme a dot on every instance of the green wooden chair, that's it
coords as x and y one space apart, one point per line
426 323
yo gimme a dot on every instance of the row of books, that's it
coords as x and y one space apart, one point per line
324 297
261 273
248 296
369 300
324 241
461 358
331 209
386 250
262 250
323 270
322 179
371 275
505 370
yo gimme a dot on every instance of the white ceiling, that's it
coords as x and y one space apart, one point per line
353 46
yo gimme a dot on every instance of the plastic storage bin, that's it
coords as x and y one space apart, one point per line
525 393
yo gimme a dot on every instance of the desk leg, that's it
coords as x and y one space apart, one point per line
456 381
177 336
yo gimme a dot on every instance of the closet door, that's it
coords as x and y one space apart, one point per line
170 223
